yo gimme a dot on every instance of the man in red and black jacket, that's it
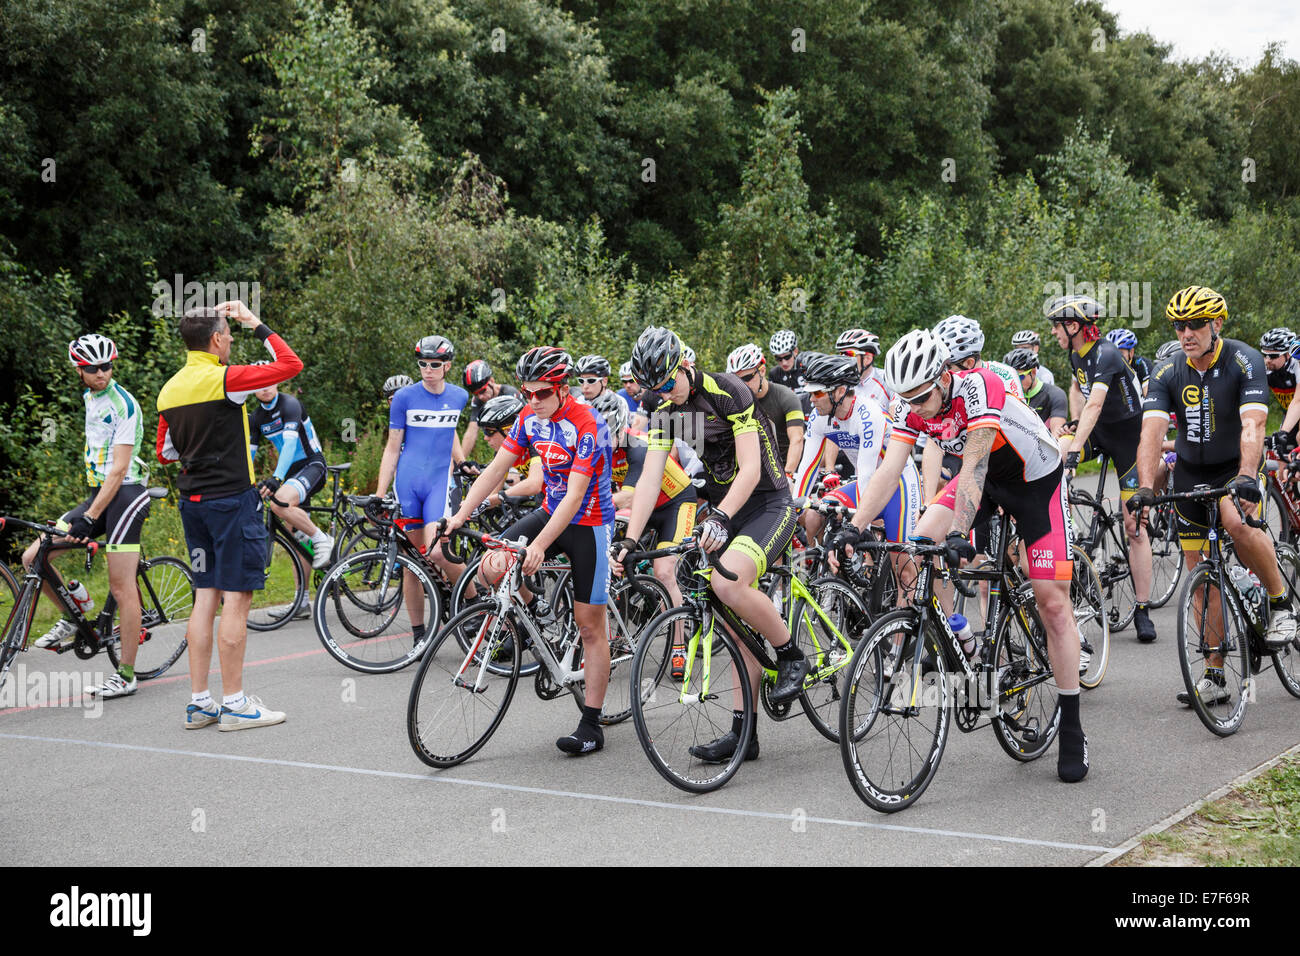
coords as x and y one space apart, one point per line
202 424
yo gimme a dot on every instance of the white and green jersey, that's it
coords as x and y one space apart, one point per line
113 417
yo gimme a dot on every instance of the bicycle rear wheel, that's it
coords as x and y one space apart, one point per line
1090 618
362 616
1287 660
457 701
1166 554
1276 516
635 602
1116 576
8 593
166 589
285 590
18 624
828 645
1029 709
672 716
1205 631
893 728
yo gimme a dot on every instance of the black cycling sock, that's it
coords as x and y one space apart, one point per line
1072 758
591 716
1069 709
417 629
1143 606
1278 603
588 737
737 721
789 651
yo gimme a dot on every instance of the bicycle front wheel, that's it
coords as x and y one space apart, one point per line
1090 617
674 717
285 591
633 603
1116 578
166 589
457 700
894 719
8 592
363 609
1166 554
1213 652
1029 709
828 643
1287 660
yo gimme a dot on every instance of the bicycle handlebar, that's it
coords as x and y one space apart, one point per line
1202 493
690 544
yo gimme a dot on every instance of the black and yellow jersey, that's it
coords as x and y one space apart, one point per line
1207 406
202 422
1100 365
719 409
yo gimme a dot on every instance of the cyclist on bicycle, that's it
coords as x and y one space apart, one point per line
481 385
300 464
1110 423
1281 350
1008 459
780 404
863 347
118 502
1045 399
576 517
751 518
1218 395
418 460
392 385
1126 342
1028 339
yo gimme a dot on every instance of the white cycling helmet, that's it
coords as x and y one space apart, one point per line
782 343
93 349
962 337
625 371
744 357
858 340
614 410
917 359
395 382
688 354
1025 337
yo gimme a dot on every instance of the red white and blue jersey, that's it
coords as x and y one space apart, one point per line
573 441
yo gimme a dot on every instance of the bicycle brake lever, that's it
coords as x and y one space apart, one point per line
91 548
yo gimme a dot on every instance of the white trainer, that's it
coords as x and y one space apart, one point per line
115 686
321 553
253 714
62 633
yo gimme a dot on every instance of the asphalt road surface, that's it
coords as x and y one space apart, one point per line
337 782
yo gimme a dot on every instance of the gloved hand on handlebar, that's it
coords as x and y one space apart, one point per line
81 527
715 530
1142 498
959 547
1282 441
1246 487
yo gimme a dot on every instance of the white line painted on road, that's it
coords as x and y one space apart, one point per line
572 794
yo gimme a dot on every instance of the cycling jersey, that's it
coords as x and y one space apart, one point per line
423 479
1010 378
1023 449
1208 405
572 441
1047 400
1100 365
628 463
633 404
873 388
862 435
202 422
783 409
1045 375
286 426
113 418
1283 382
1142 368
719 409
792 379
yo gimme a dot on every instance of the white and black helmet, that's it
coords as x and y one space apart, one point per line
783 343
745 356
614 410
1025 337
625 371
962 337
93 349
1277 340
917 359
596 365
827 372
1168 350
394 383
688 354
858 340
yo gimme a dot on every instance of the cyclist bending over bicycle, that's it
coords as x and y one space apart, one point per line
1008 459
1218 394
118 502
751 517
576 517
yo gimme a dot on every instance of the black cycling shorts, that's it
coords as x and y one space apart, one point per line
121 521
1118 441
762 529
1193 517
587 547
674 521
309 478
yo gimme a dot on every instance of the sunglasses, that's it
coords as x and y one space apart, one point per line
432 363
785 358
747 378
817 392
537 394
91 369
589 380
489 432
1275 355
667 385
1193 324
629 381
918 399
482 391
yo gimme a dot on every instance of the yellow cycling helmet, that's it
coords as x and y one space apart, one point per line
1196 302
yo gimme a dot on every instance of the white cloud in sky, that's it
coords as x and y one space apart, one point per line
1197 28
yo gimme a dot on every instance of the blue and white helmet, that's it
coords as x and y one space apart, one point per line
1123 338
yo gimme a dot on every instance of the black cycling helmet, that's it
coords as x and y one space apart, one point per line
593 365
435 347
500 412
477 374
544 363
656 356
829 371
1022 360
